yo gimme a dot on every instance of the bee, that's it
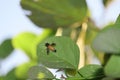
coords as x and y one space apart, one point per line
50 47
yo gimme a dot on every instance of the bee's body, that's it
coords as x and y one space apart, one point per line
50 47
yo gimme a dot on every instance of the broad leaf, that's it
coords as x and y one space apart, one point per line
40 73
55 13
66 55
6 48
108 40
91 72
112 68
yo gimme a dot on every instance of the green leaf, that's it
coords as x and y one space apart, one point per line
66 55
112 68
118 21
76 78
28 41
6 48
55 13
22 70
108 40
24 41
91 72
10 76
108 78
45 34
39 73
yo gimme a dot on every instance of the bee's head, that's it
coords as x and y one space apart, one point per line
47 44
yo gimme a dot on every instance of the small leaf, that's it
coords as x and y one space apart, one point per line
39 73
66 55
6 48
112 68
108 40
92 72
55 13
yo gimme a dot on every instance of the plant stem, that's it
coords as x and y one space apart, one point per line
59 32
81 45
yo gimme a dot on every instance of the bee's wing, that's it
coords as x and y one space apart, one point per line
53 44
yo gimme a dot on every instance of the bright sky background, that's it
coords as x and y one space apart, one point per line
13 21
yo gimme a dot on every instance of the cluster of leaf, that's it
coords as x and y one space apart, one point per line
69 15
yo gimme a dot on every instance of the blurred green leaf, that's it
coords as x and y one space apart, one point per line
55 13
91 72
108 40
6 48
108 78
66 56
22 70
40 73
10 76
112 68
24 42
90 35
28 41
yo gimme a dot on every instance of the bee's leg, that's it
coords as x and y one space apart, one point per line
55 50
47 51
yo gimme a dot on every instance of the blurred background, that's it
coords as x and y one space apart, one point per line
13 21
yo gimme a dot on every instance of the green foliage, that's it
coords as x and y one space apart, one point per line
108 39
108 78
22 70
55 13
64 46
112 68
40 73
24 42
71 17
10 76
28 41
91 72
6 48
